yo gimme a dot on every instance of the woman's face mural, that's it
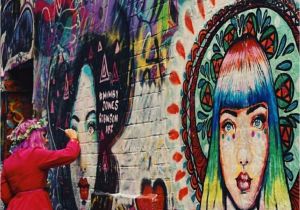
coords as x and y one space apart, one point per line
83 120
243 151
83 116
238 109
90 94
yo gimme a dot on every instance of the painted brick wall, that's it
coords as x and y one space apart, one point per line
142 81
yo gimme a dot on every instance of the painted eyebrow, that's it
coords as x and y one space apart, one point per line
252 109
233 113
90 113
75 118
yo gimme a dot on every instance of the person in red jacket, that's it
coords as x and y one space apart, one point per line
24 172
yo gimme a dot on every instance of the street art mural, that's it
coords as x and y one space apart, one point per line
178 104
17 33
239 108
92 75
89 91
15 107
57 28
153 32
91 94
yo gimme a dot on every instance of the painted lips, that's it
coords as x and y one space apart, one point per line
243 182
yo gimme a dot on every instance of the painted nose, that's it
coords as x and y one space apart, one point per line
81 137
243 157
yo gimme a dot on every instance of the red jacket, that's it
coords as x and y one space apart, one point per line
24 176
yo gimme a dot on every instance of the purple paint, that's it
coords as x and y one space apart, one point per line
252 134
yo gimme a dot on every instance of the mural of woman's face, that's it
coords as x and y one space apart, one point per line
83 117
244 144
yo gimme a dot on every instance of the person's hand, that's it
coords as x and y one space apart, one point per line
72 134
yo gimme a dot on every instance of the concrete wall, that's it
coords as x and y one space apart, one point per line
137 80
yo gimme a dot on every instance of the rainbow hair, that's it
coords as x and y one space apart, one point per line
245 79
32 130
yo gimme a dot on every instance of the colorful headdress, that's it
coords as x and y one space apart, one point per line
24 129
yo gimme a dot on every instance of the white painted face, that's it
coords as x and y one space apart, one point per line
83 119
244 145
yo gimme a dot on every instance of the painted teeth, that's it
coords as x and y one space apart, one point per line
244 177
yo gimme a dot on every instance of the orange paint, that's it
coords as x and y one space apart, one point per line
177 157
174 78
182 193
173 109
201 8
179 175
173 134
188 22
171 23
213 2
180 49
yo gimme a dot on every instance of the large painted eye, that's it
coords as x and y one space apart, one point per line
74 124
91 127
228 126
258 122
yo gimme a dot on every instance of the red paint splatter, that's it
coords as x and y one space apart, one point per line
188 22
179 175
213 2
177 156
182 193
174 78
173 109
180 49
173 134
201 8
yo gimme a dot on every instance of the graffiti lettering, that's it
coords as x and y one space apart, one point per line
108 118
108 94
110 105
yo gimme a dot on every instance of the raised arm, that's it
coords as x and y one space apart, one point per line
53 158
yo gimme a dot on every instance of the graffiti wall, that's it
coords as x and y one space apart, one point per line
177 104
